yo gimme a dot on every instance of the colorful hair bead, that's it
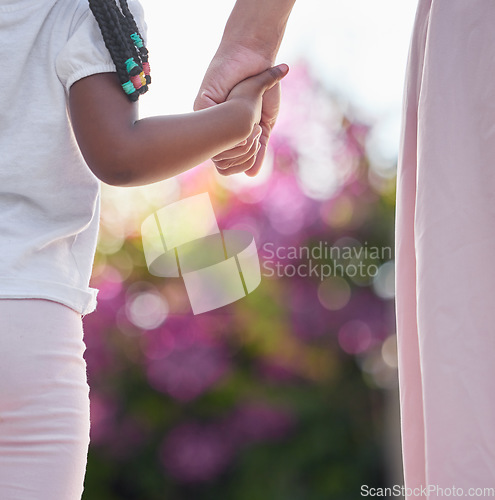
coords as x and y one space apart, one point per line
131 66
147 72
137 81
137 40
129 88
125 44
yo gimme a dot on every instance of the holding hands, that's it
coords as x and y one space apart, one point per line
235 111
251 93
228 78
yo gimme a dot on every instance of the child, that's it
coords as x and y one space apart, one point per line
68 120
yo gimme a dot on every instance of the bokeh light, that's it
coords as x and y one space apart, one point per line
355 337
384 281
147 310
334 293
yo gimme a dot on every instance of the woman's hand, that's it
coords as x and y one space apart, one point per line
251 90
232 63
249 45
249 95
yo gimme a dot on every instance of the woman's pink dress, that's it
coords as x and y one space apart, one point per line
445 251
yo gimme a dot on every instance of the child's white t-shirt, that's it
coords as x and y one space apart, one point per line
49 198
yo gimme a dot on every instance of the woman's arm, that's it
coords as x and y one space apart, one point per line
257 25
124 151
250 43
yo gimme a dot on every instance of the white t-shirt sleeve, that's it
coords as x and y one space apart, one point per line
85 52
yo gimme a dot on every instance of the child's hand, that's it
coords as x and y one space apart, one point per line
249 95
250 91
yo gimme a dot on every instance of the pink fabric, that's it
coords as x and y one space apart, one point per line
44 401
445 249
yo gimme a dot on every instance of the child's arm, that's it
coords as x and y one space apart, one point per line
124 151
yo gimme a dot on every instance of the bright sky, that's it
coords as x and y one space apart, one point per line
358 47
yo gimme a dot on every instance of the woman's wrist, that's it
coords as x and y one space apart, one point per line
245 43
257 26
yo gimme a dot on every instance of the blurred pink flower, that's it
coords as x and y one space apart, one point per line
272 371
186 356
258 421
197 452
194 452
286 206
366 307
352 140
186 372
355 337
310 320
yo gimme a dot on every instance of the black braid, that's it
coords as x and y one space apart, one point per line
125 44
143 51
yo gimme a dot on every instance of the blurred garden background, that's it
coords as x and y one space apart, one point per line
290 393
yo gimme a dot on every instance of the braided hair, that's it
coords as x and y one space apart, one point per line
124 42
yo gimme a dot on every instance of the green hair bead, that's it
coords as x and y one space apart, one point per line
137 40
130 64
129 87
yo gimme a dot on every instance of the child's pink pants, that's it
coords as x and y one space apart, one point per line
44 401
